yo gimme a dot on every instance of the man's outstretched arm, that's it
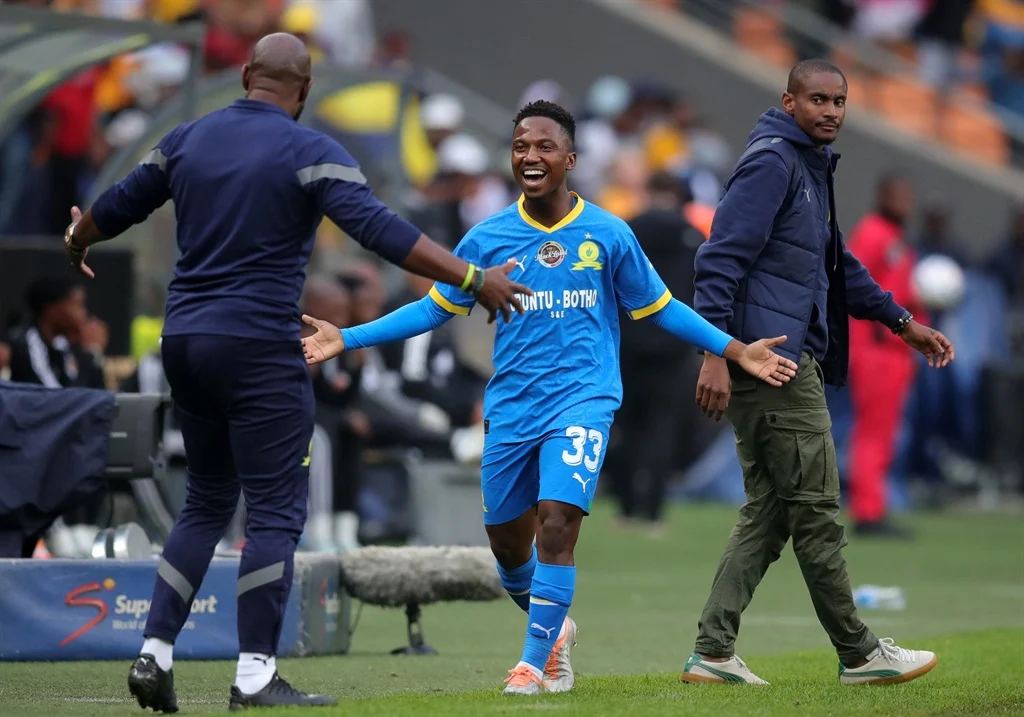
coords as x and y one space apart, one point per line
410 320
342 193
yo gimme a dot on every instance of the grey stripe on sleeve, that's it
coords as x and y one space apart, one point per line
157 158
330 171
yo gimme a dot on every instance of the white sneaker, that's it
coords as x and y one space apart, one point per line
889 665
732 671
523 681
558 674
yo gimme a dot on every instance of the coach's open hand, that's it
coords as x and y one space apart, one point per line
933 345
76 253
325 344
498 292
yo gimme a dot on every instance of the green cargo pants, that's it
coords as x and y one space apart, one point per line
784 443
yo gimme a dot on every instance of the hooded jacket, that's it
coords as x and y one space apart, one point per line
775 263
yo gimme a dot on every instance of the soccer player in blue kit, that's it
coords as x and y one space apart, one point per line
549 406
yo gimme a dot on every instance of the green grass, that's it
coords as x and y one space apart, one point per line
637 604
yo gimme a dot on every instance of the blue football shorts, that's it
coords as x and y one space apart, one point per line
562 465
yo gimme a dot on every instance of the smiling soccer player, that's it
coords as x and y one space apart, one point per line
556 387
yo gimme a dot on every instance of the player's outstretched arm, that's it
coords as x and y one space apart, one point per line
757 359
401 324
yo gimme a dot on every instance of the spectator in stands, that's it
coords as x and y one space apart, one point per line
394 50
442 116
1003 53
625 194
430 367
935 235
596 137
61 347
657 371
941 38
881 369
336 386
73 111
344 31
25 176
391 418
1008 263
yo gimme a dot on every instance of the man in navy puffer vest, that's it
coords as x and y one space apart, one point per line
775 265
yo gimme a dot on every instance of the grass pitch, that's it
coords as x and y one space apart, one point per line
637 602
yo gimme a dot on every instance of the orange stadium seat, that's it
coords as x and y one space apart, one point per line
907 103
973 130
858 90
776 51
752 26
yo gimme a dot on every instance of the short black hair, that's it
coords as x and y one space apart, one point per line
803 71
46 291
543 108
667 183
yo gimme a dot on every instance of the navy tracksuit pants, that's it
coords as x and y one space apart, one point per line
246 413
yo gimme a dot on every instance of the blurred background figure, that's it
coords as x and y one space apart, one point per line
334 527
658 374
881 369
63 346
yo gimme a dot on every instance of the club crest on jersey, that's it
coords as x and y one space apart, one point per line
588 253
551 254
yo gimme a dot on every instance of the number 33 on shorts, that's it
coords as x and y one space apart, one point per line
580 451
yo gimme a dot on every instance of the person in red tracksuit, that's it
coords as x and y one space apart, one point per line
881 370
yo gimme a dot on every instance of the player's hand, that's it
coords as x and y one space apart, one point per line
933 345
499 292
76 255
714 387
761 362
323 345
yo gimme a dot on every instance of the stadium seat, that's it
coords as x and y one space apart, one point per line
907 103
971 129
751 25
859 90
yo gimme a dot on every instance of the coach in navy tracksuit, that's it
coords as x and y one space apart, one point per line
250 186
775 265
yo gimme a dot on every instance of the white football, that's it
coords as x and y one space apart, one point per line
939 282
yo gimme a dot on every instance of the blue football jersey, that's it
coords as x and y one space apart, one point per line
557 365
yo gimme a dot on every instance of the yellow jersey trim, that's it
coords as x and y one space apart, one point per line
652 308
566 220
445 304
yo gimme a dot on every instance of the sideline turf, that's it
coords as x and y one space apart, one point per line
638 599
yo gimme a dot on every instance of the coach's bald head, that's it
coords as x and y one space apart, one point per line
279 71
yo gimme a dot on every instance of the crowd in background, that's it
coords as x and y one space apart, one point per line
645 153
953 42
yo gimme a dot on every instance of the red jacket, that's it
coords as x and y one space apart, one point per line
880 246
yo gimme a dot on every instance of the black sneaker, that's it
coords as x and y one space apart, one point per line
277 693
151 686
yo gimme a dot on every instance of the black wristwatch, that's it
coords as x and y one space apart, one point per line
902 323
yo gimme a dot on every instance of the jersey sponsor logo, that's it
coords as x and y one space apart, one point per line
588 253
547 300
551 254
